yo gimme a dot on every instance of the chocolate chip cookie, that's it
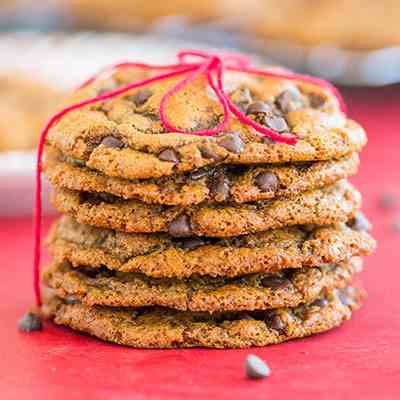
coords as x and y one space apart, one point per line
329 205
24 106
132 15
161 256
345 23
236 184
124 137
287 288
164 328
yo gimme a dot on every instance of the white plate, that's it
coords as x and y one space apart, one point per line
17 184
344 67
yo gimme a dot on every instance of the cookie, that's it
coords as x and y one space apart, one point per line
218 184
123 137
324 206
24 106
288 288
160 256
165 328
343 23
132 15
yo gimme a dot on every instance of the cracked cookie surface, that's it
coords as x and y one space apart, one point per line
333 204
219 184
123 137
161 256
287 288
165 328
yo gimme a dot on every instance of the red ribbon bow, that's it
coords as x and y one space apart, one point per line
212 66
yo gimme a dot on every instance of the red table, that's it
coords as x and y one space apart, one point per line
359 360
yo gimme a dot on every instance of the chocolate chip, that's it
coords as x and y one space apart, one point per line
267 181
112 142
30 322
276 123
232 142
268 140
345 298
275 282
360 223
275 321
258 107
256 368
209 154
220 187
180 226
70 300
316 100
169 155
396 224
387 201
192 243
320 303
300 312
200 173
289 100
139 98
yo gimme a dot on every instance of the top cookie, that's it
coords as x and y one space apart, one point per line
124 137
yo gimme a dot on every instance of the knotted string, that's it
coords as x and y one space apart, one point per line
210 65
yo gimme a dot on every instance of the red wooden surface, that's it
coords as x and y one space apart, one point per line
359 360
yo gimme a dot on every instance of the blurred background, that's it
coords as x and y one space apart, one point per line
47 47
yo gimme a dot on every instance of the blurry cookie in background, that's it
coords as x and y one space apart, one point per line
131 15
25 104
351 24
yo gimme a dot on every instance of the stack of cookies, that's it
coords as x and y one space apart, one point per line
226 241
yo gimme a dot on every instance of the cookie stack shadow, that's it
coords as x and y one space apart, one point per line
171 240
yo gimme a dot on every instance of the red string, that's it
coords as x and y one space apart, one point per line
212 66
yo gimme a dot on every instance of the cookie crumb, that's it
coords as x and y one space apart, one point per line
256 368
30 322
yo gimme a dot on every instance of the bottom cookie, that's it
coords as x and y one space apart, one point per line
165 328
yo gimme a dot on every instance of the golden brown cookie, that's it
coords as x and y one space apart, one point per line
164 328
24 106
236 184
160 256
123 137
287 288
333 204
